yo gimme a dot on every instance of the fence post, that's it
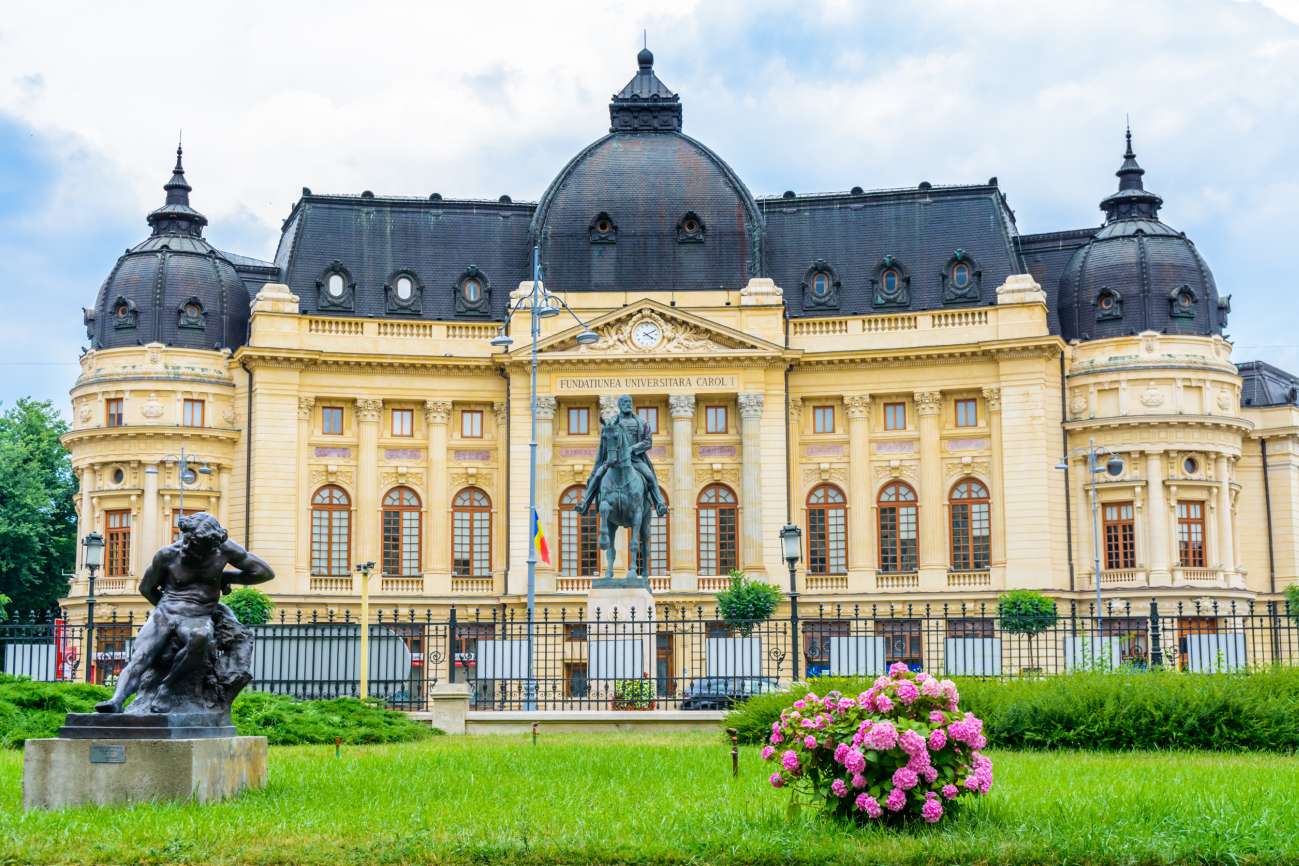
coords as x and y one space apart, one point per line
451 646
1156 651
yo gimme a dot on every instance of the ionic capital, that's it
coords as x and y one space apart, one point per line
992 396
305 405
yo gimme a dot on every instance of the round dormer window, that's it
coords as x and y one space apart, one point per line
890 280
1107 301
334 285
192 311
1190 466
960 275
690 226
118 475
405 288
1184 300
821 285
473 290
603 226
120 311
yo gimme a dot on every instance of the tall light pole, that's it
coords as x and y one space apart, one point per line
541 305
363 662
186 475
1114 468
94 557
791 545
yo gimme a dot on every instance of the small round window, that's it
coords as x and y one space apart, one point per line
1190 465
691 225
473 290
1184 300
118 476
890 280
192 311
1107 301
960 275
405 288
120 311
604 226
821 285
334 285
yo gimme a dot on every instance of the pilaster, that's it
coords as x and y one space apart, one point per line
437 414
1160 574
366 517
933 538
992 399
751 481
547 500
146 537
682 409
861 540
302 530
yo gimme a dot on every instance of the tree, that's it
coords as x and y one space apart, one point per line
1026 612
747 602
38 520
250 605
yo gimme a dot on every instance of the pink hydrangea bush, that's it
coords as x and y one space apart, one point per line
901 749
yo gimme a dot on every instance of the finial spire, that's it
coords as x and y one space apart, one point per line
176 213
1132 199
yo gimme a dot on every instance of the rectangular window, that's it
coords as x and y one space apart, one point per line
192 413
575 632
823 419
575 680
650 415
970 627
902 642
579 421
117 526
1190 534
967 413
403 422
471 423
1120 536
715 419
895 416
113 414
331 420
817 636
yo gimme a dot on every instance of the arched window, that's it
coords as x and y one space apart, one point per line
969 525
401 533
827 534
659 543
960 275
898 530
579 536
716 527
889 281
820 284
471 534
331 532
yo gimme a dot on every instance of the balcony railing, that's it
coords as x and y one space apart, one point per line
583 584
473 585
969 579
412 585
1199 575
897 580
825 582
713 582
320 583
1123 577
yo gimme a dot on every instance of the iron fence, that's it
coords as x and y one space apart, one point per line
677 657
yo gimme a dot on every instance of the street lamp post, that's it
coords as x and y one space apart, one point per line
1113 467
791 545
541 305
94 557
185 475
363 663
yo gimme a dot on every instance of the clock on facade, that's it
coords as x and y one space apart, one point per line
646 334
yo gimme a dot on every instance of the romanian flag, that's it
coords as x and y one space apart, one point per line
539 538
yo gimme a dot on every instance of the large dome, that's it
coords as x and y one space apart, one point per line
173 287
1136 273
646 207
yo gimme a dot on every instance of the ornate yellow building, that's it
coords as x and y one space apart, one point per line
898 372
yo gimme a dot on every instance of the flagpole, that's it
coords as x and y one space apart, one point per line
530 687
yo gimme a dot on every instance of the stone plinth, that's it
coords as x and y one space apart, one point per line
448 707
147 726
621 602
63 772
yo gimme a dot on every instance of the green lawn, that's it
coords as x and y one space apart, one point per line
671 799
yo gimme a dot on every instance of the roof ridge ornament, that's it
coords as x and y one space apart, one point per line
1133 200
176 216
645 104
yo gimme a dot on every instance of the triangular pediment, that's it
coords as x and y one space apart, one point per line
650 328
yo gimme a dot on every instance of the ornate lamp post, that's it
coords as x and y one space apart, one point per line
1112 467
363 663
791 546
541 305
187 475
94 558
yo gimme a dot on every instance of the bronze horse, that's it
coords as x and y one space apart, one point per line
624 501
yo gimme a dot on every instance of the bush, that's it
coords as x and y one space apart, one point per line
633 694
1024 611
1115 711
747 602
250 605
900 749
31 710
1292 601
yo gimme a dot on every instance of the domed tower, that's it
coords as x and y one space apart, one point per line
1150 378
155 382
647 208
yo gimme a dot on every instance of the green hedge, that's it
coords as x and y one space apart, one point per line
1103 711
29 710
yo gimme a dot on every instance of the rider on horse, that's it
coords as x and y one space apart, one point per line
638 433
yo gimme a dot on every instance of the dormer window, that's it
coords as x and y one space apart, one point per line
889 280
124 313
891 285
820 286
335 286
192 315
404 292
1182 302
961 279
961 275
473 292
335 289
603 230
1109 305
691 229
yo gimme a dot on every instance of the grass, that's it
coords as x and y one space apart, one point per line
670 799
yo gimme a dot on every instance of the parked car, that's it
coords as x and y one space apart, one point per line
721 693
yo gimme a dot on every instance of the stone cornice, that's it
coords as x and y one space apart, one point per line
148 431
925 355
180 383
293 359
1117 421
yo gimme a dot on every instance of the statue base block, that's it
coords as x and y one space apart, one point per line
64 772
146 726
621 602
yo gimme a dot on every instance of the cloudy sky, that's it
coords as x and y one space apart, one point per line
481 99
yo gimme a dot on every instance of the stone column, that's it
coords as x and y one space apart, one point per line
437 414
365 541
608 408
933 535
751 481
682 409
1226 551
547 495
1157 519
992 397
146 537
302 525
861 540
87 522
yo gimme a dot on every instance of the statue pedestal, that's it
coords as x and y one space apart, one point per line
620 642
63 772
621 600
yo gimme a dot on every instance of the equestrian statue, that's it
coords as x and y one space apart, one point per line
625 491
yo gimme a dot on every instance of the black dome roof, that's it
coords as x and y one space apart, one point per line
1136 273
647 207
173 287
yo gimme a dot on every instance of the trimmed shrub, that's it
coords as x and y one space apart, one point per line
901 749
747 602
1026 612
1114 711
31 710
1292 601
250 605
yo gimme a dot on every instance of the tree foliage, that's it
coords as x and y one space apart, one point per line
1292 601
747 601
1025 611
250 605
38 521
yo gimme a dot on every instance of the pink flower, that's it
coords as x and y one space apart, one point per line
840 751
907 693
868 804
950 791
809 742
937 739
789 761
839 788
858 780
882 737
897 669
777 738
911 742
919 762
921 676
896 799
937 717
799 704
932 811
883 704
767 752
881 682
929 774
971 783
905 779
776 780
854 761
846 704
930 688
